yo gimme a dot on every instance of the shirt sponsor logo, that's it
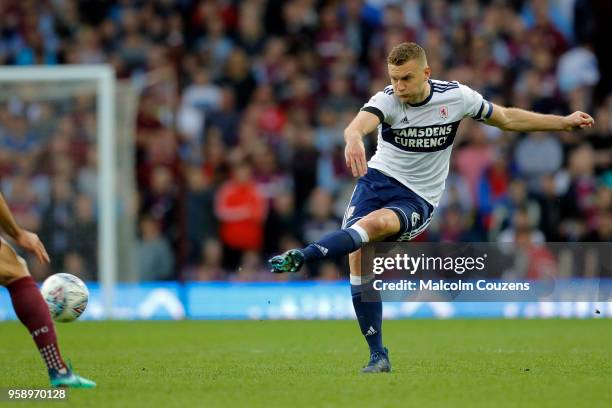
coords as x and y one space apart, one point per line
421 139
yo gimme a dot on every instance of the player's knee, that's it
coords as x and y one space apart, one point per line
13 267
371 225
8 278
378 226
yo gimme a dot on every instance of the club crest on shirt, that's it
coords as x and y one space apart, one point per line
443 111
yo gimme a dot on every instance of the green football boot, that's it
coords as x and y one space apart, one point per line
69 379
290 261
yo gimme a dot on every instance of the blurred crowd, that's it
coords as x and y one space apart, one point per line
239 138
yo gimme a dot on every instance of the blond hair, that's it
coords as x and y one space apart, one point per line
404 52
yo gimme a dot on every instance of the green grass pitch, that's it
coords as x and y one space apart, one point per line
457 363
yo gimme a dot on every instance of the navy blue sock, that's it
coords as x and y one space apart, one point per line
333 245
369 315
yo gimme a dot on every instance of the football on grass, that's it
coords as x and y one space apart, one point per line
66 296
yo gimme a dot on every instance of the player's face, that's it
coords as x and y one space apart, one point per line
409 80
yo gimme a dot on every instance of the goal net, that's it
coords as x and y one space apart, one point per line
66 168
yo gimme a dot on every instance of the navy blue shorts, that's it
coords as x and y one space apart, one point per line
375 191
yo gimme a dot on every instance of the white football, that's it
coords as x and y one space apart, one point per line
66 296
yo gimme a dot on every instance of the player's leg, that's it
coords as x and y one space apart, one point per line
380 208
379 225
33 312
403 217
30 307
376 226
338 243
369 315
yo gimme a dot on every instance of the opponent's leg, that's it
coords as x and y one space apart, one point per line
33 312
369 315
30 306
375 226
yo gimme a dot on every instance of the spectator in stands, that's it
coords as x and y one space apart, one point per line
536 155
281 222
155 260
550 207
199 203
522 229
320 219
518 200
454 226
83 235
76 265
198 100
161 201
578 203
473 159
57 221
241 210
210 268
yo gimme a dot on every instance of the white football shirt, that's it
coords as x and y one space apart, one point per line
415 141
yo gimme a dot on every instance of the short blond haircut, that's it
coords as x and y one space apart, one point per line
406 51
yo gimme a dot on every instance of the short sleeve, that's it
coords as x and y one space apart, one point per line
474 105
381 105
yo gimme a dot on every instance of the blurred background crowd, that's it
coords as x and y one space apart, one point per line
239 133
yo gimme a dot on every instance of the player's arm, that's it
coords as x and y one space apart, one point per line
354 152
23 238
521 120
7 222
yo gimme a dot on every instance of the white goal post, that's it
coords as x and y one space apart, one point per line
104 78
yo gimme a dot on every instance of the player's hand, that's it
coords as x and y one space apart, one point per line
30 242
578 120
354 154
